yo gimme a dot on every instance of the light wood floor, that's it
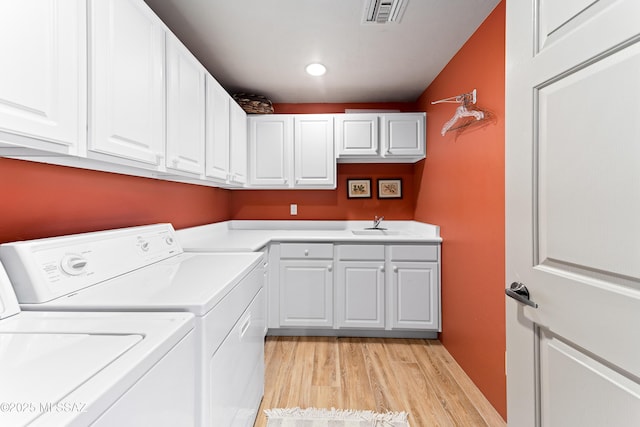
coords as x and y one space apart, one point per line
416 376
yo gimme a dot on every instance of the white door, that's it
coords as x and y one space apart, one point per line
217 131
403 134
238 141
270 146
315 161
360 298
414 295
306 293
127 83
573 212
356 134
43 73
185 109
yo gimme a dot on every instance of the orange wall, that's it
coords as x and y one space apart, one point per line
330 204
40 200
460 186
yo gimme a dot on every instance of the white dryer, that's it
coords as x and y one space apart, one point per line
81 369
145 269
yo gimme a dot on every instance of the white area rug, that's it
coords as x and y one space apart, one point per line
312 417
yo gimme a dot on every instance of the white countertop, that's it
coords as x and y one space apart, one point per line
253 235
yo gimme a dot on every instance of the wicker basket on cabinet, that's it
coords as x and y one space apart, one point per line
253 104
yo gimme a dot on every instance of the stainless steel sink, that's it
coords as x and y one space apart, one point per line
377 232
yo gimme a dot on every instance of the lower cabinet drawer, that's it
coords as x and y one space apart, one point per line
413 252
306 250
361 252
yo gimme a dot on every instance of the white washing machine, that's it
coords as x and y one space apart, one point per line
98 369
145 269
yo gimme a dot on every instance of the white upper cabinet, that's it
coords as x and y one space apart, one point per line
270 145
43 75
356 134
380 138
185 109
314 156
287 151
217 131
127 84
403 135
238 147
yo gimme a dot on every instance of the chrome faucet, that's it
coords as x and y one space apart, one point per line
376 222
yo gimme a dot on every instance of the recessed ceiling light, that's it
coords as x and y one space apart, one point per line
316 69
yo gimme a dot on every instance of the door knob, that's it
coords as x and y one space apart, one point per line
519 292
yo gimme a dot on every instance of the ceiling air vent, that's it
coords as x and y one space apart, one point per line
383 11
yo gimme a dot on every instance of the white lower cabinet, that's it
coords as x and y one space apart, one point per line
414 280
375 287
414 295
360 286
306 293
306 285
360 294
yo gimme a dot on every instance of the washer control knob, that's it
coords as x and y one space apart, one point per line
169 240
74 264
144 245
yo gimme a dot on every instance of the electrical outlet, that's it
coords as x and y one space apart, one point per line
294 209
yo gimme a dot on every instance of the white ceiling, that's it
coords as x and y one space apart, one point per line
263 46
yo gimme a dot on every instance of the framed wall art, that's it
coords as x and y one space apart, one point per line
359 188
390 188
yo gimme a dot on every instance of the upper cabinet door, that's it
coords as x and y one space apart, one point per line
238 148
315 161
43 74
356 134
127 101
185 109
270 142
403 134
217 131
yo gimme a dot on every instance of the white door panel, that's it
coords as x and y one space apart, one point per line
361 294
238 144
270 145
127 81
314 156
572 186
217 130
577 381
601 179
43 75
185 109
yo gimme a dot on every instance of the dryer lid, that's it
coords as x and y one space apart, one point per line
40 370
8 301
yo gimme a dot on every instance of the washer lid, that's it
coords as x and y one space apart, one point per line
44 368
8 301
